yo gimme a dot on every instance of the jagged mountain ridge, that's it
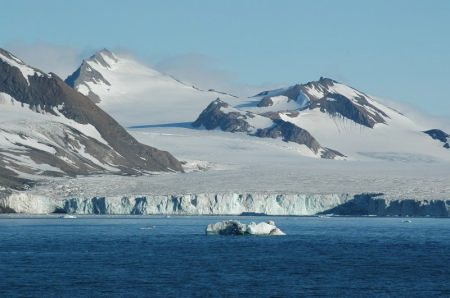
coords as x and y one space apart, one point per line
336 116
47 128
331 97
327 113
135 94
219 114
85 74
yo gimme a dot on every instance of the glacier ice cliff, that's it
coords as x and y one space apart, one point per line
228 203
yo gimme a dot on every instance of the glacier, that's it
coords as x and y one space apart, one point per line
242 175
229 203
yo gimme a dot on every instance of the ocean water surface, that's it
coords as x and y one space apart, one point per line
140 256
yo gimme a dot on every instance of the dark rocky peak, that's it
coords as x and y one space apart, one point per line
85 73
338 105
235 120
45 93
321 86
265 102
289 132
5 55
55 76
345 101
213 117
100 57
293 92
18 67
330 97
8 57
322 82
29 86
217 104
440 135
325 82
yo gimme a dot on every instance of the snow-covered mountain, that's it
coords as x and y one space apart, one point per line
47 128
136 95
323 118
263 167
220 114
326 114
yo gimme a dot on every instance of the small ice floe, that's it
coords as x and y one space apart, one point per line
147 228
68 216
324 216
234 227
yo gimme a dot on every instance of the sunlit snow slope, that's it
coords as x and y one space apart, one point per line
48 129
135 94
328 114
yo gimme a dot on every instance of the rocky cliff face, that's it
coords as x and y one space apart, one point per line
219 114
214 117
326 114
67 131
439 135
332 98
86 74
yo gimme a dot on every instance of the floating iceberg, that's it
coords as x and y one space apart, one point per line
147 228
68 216
234 227
264 228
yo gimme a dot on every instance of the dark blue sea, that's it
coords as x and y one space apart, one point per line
172 257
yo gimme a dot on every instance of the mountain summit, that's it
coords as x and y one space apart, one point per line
47 128
327 113
323 118
137 95
86 76
327 96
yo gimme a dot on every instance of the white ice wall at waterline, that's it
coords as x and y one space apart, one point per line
209 204
189 204
232 204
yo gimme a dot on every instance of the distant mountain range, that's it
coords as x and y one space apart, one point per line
327 113
54 128
325 118
47 128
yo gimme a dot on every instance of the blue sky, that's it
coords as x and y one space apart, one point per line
393 49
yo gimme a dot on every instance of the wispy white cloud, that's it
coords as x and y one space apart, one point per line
192 69
200 71
417 115
62 60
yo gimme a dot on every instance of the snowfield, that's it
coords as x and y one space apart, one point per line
391 169
23 129
238 174
135 94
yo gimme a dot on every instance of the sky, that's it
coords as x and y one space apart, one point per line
395 49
